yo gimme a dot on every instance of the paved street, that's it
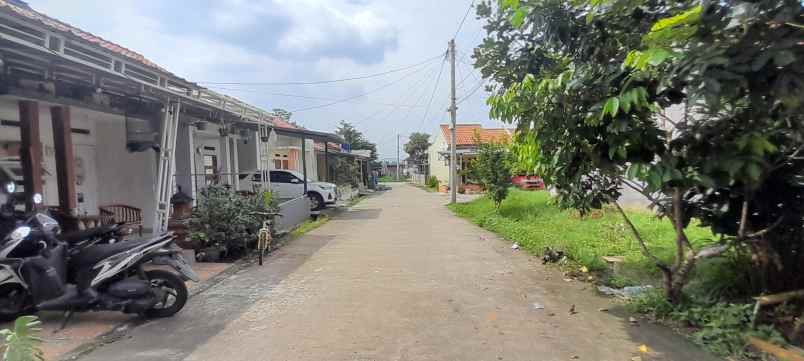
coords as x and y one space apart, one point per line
398 278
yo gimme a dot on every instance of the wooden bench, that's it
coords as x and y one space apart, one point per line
121 213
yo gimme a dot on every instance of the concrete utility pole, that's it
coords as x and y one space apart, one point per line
453 154
397 157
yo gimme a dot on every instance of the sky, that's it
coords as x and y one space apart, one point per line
253 42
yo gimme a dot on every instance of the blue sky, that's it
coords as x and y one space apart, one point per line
250 41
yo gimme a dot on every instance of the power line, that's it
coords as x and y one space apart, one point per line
326 81
257 91
479 84
463 20
430 102
414 89
359 95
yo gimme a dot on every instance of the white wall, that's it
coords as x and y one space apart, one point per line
124 177
437 166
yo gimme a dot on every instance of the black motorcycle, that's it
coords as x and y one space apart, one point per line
36 269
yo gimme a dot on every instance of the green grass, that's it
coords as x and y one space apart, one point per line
308 226
531 220
390 179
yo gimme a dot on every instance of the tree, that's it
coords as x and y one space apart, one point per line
355 138
282 113
594 82
492 168
417 146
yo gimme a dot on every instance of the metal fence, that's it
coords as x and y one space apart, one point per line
418 179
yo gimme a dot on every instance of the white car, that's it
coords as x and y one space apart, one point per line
288 184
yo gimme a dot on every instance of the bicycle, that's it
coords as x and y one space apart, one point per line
264 237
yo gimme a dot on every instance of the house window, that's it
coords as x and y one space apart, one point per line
281 161
210 169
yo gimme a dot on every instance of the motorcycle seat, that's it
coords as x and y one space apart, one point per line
94 254
79 236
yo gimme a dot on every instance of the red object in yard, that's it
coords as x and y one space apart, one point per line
528 182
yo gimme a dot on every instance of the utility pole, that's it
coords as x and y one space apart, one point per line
453 154
397 156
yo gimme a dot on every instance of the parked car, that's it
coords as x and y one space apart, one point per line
288 184
528 182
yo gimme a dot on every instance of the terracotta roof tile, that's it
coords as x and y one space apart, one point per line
465 134
281 123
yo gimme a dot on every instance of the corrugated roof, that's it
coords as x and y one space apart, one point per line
21 8
465 134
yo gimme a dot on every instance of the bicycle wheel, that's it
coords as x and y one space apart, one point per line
262 244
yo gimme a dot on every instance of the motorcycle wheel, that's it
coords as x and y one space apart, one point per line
14 301
175 293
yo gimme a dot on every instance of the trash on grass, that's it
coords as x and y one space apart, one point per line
552 256
515 246
625 292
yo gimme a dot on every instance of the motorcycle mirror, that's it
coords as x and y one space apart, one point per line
37 198
10 187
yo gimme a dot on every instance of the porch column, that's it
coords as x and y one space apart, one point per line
326 161
235 164
304 162
65 162
226 158
30 150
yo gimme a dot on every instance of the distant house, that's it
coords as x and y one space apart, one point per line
466 136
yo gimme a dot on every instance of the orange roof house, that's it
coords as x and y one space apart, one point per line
466 137
466 134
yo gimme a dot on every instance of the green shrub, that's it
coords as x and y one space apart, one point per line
432 182
652 303
720 327
492 167
228 219
23 342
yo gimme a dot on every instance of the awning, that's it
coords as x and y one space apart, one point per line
310 134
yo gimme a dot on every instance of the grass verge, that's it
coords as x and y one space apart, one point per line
389 179
531 220
309 225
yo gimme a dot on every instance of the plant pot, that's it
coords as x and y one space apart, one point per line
210 254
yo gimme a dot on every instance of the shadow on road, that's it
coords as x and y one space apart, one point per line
360 214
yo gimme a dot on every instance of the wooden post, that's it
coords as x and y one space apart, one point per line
31 150
65 161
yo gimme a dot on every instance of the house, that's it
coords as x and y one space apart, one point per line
466 136
330 158
90 123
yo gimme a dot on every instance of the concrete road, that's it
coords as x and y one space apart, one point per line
398 278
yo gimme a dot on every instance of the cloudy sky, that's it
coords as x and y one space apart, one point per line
249 42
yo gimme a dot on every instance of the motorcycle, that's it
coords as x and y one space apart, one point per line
40 271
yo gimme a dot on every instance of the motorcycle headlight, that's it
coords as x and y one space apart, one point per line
10 187
37 198
20 233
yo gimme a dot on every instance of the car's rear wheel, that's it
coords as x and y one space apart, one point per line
316 201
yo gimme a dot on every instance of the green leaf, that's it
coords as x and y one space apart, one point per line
760 61
784 58
690 16
754 171
519 18
657 56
